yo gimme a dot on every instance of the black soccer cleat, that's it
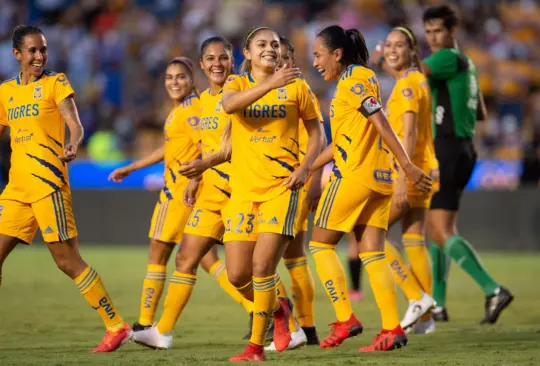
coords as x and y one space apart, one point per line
137 327
495 304
269 334
311 335
440 314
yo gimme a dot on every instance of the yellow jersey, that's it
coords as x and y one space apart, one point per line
265 149
37 135
216 189
412 94
303 136
181 139
357 146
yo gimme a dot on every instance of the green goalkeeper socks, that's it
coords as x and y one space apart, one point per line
464 254
440 273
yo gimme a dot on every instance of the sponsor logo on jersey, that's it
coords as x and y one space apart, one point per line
193 121
262 139
407 93
382 175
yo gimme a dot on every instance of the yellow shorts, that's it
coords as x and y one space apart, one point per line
169 219
244 220
345 203
52 214
205 223
304 210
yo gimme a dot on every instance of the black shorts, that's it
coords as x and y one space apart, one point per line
457 159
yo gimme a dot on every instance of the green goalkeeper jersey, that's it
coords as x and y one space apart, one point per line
455 91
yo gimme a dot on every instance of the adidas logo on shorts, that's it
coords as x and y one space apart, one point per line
48 230
273 221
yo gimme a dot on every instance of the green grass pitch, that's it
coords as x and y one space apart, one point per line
44 321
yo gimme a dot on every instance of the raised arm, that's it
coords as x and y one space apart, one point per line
236 100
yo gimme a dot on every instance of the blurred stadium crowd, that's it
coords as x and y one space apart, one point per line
114 52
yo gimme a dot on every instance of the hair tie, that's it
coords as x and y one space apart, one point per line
186 62
252 32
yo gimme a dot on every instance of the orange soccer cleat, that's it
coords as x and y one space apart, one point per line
252 353
113 339
282 334
387 340
341 331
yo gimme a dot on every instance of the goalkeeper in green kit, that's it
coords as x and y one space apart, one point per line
457 105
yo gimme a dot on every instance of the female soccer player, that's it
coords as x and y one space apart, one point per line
409 113
360 193
205 227
35 105
266 179
302 284
171 212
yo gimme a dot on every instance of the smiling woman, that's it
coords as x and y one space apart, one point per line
36 105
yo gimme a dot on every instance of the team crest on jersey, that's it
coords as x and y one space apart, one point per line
282 94
38 92
218 107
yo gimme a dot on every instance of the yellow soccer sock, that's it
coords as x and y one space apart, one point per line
402 276
280 287
265 296
383 287
246 291
303 290
333 278
90 286
152 289
219 273
178 294
418 255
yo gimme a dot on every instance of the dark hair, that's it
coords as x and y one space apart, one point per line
412 42
246 64
444 12
188 65
20 32
287 42
351 41
207 42
226 44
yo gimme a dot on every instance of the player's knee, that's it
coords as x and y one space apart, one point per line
159 252
263 267
239 277
186 263
67 264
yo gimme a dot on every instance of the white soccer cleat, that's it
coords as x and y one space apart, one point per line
298 339
417 308
152 338
422 327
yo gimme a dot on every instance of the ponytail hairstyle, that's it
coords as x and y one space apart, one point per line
20 32
188 66
226 141
226 44
246 64
350 41
412 43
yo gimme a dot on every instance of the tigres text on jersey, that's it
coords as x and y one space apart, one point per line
265 147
